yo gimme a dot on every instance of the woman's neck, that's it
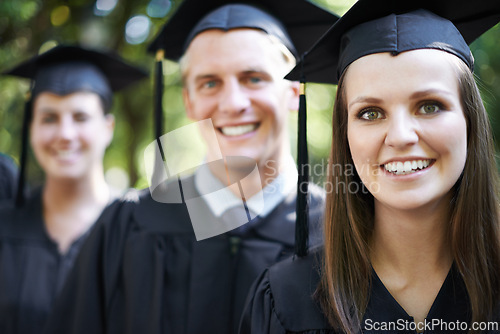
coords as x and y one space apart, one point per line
411 253
410 239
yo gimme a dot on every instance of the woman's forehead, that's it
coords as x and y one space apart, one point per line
414 70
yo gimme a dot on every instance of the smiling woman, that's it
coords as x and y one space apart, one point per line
70 128
409 244
420 250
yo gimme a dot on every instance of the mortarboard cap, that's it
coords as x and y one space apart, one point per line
67 69
397 26
296 23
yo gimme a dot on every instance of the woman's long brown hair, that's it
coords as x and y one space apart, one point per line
344 289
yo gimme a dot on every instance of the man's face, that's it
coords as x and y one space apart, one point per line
236 79
70 133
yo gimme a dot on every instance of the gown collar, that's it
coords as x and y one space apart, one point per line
273 194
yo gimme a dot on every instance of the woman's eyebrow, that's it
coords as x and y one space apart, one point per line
364 99
431 91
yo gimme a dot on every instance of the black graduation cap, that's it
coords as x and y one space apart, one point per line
67 69
296 23
373 26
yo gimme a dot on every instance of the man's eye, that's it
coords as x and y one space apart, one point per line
370 114
49 119
255 80
209 84
81 117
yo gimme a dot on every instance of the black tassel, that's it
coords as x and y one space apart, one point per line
158 111
159 171
302 209
24 153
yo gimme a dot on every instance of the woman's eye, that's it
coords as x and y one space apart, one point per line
370 114
429 108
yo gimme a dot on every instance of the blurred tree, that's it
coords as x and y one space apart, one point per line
486 52
28 27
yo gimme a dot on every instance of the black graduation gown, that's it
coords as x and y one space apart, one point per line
32 270
281 301
145 272
8 177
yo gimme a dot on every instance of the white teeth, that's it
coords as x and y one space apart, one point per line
399 167
406 167
238 130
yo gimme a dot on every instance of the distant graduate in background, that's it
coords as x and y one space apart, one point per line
8 177
68 124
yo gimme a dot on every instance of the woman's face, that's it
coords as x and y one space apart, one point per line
406 129
70 133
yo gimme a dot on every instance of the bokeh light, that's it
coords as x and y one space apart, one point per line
47 46
104 7
159 8
117 179
60 15
137 29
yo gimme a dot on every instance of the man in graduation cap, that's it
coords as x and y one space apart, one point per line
69 103
146 271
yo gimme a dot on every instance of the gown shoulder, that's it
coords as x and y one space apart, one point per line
282 299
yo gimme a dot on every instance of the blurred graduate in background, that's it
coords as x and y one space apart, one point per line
68 123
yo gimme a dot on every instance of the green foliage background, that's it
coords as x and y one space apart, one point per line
28 27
